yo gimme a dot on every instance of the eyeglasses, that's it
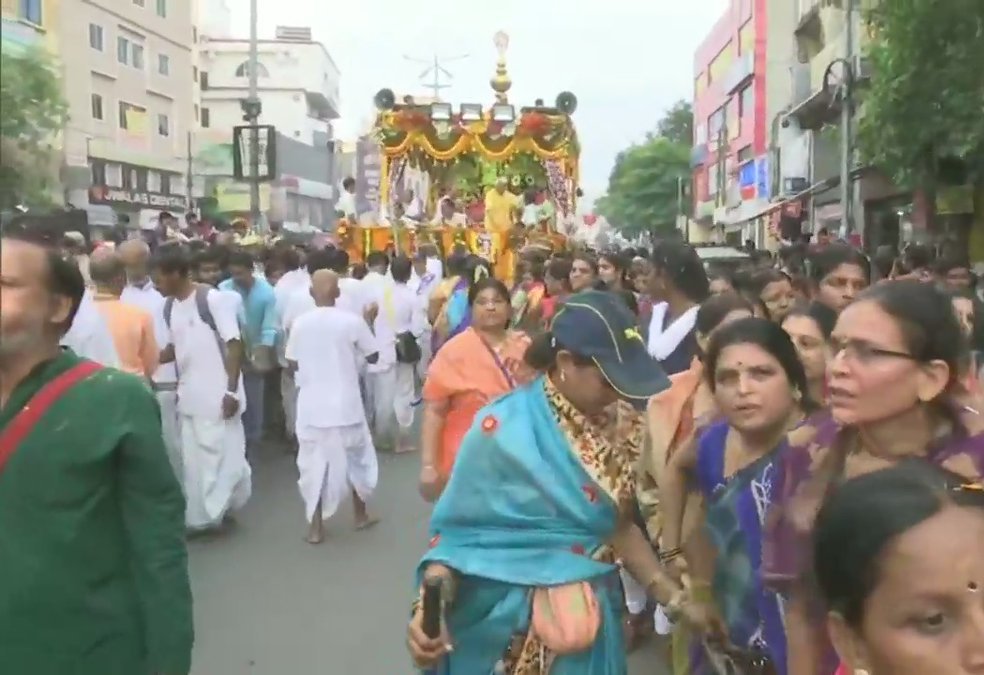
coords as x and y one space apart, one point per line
862 352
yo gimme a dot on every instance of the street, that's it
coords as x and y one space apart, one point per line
267 603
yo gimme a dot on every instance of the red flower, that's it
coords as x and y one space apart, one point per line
591 492
578 549
490 424
435 540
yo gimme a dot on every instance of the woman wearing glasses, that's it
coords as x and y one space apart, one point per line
896 357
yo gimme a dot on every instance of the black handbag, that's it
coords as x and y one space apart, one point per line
407 349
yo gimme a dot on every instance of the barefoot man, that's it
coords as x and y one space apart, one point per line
324 349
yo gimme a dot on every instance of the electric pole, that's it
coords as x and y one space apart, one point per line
253 114
847 105
433 76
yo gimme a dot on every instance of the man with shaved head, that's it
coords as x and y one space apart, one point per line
325 347
132 328
141 292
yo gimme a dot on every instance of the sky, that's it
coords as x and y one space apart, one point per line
627 61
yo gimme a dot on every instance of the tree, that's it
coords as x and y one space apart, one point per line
926 94
643 189
33 113
677 124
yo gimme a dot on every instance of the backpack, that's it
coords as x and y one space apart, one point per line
204 313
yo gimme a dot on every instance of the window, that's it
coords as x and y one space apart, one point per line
153 181
205 118
203 79
746 101
30 10
713 178
163 64
96 36
131 117
138 3
122 50
197 113
243 70
98 171
162 8
716 122
137 54
114 175
163 125
97 107
745 154
194 74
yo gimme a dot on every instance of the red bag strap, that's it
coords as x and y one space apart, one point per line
34 410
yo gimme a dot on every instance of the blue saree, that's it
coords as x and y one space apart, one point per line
736 506
521 510
458 311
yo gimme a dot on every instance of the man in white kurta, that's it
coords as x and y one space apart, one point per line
422 284
391 385
335 450
89 334
215 473
294 280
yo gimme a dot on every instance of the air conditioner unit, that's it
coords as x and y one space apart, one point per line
794 185
862 68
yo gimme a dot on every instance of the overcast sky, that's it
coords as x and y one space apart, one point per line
626 60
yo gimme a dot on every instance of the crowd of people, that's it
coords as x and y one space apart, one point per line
779 464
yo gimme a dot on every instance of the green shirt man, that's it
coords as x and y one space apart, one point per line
93 565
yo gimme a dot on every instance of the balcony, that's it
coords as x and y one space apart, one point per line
741 70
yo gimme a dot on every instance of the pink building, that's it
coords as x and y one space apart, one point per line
730 125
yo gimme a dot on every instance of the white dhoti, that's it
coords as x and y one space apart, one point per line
425 342
329 460
391 395
216 476
168 402
288 396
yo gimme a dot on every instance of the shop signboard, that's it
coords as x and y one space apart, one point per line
100 194
368 172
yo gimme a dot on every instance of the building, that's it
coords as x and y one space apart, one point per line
29 23
729 161
129 84
298 87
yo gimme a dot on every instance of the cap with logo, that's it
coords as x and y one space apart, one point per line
598 325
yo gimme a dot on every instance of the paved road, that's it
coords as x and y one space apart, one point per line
267 603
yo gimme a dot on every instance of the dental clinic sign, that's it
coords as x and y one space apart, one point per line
99 194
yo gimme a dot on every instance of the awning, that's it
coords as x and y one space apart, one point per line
819 109
816 188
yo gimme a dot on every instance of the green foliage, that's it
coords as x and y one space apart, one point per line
677 124
926 97
643 187
33 113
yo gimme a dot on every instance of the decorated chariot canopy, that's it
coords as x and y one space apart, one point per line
469 147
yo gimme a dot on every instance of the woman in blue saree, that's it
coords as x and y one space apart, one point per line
760 388
541 497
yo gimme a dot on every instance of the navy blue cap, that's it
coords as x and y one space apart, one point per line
598 325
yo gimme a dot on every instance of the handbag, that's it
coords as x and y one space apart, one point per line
566 618
407 349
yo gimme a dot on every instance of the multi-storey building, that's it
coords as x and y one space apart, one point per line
298 87
29 23
730 125
129 84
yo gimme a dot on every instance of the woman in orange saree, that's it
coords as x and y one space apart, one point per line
474 367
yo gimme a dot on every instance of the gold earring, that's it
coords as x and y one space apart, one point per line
563 376
797 395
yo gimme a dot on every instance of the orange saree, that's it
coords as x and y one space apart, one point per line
466 374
